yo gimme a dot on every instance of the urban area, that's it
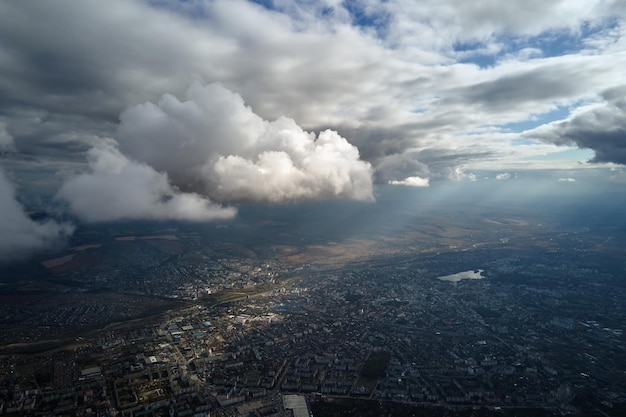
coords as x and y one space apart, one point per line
484 329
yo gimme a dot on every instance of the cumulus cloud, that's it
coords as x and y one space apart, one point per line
215 144
19 235
119 188
459 174
503 176
411 182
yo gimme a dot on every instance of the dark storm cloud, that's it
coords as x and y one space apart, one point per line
375 142
66 60
19 235
549 83
399 166
6 140
41 133
439 159
601 128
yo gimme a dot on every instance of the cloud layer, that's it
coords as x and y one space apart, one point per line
401 81
398 92
19 235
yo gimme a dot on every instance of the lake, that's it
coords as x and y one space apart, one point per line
471 274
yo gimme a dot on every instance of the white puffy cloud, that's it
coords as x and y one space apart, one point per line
19 235
411 182
119 188
215 144
459 174
503 176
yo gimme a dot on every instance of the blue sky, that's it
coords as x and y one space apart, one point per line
535 121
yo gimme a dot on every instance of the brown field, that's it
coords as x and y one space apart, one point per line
85 247
131 238
508 222
80 260
163 237
52 263
172 246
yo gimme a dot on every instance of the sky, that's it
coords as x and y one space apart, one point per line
183 109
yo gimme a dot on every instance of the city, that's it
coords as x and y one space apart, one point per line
221 329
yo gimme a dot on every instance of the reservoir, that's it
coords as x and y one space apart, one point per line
471 274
